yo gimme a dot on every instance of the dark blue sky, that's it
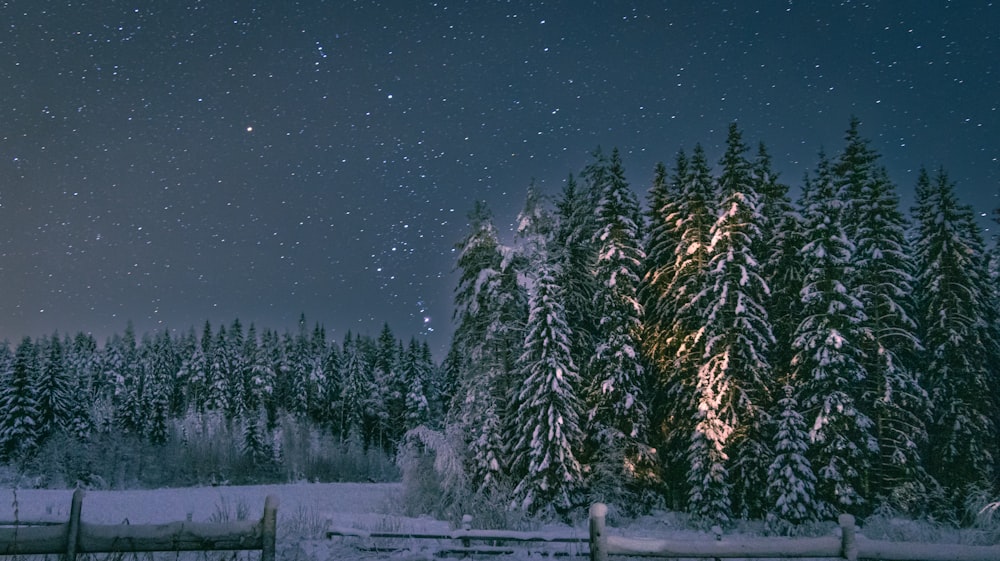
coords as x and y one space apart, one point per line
168 162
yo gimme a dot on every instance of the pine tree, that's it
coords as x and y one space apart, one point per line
19 410
391 387
416 372
618 418
260 384
54 389
158 380
217 392
781 239
684 311
270 357
735 376
195 369
357 389
549 435
489 308
535 227
955 311
884 282
574 255
661 245
236 370
827 367
292 372
83 365
791 482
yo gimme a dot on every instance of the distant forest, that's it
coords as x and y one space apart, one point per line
721 350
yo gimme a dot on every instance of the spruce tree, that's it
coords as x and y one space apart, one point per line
489 309
415 380
955 310
548 438
884 283
618 417
661 244
827 366
357 389
54 389
791 482
778 248
574 255
685 310
734 378
391 388
20 416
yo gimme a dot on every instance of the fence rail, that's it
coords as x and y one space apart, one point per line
74 536
849 546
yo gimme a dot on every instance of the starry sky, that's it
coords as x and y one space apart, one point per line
168 162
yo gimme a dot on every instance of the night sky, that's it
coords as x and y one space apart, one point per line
175 161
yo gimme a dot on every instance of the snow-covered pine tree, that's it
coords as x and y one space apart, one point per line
292 373
6 363
955 311
684 310
260 384
83 365
573 255
391 389
53 388
654 295
217 383
130 384
357 390
618 417
195 369
853 173
884 282
267 366
161 369
415 374
781 239
180 378
19 411
548 438
490 310
791 482
315 363
730 449
535 229
236 366
827 367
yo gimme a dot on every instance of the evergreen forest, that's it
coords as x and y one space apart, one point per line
718 349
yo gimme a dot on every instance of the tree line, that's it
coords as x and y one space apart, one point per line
729 352
153 390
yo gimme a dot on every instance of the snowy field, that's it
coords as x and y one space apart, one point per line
307 511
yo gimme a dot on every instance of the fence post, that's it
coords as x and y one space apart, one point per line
269 528
466 527
598 542
849 545
73 532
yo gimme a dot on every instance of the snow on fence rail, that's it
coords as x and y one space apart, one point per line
466 536
74 536
850 546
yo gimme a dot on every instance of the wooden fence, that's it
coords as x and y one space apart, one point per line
74 536
850 546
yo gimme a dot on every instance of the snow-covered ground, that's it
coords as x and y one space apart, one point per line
307 511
